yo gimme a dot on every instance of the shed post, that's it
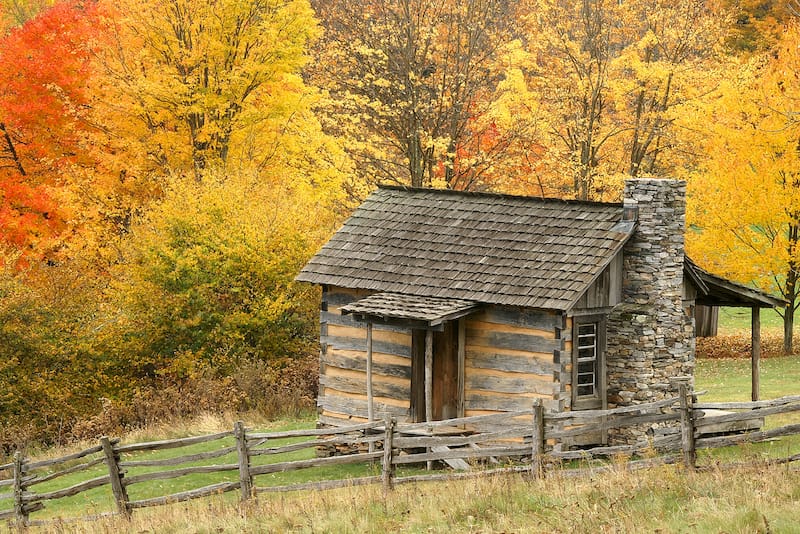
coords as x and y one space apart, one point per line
388 464
687 425
429 384
755 352
428 375
462 358
245 478
370 404
115 477
537 439
20 511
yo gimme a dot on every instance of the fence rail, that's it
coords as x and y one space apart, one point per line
523 441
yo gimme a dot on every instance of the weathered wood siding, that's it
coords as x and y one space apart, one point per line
606 291
343 360
512 357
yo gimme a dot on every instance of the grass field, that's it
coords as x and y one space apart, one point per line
733 320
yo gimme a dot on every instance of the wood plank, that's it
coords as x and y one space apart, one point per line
213 489
514 363
748 405
341 440
360 344
86 485
488 452
404 441
498 403
744 416
508 384
525 317
480 327
593 414
456 463
336 319
68 458
322 485
620 422
503 340
357 407
315 462
337 297
308 432
176 473
172 443
497 417
75 468
748 437
359 386
334 358
180 459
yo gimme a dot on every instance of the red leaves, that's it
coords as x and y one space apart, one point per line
44 65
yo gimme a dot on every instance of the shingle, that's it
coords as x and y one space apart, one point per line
479 247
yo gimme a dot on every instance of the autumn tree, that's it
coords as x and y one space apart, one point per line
193 76
410 83
44 66
745 196
209 279
221 184
609 76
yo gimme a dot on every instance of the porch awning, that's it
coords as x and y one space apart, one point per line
427 312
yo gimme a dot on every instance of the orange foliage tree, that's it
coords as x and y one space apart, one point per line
44 65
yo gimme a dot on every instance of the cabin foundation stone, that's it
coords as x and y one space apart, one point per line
650 339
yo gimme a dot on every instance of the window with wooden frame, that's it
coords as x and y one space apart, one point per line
588 363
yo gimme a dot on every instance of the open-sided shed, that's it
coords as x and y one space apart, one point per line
440 304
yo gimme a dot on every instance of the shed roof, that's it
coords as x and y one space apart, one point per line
717 291
432 311
480 247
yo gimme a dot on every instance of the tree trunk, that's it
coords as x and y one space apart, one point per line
788 328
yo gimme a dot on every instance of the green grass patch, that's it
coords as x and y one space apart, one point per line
732 320
728 380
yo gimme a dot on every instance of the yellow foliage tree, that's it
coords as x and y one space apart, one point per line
609 77
744 211
208 277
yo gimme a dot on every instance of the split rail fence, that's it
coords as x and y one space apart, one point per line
530 441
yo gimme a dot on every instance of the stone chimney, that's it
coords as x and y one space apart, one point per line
651 338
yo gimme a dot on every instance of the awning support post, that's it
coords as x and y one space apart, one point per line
370 408
428 375
755 351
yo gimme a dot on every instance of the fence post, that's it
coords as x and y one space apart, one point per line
20 510
115 475
245 478
537 439
687 426
388 445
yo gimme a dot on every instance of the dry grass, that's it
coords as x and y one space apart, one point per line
666 499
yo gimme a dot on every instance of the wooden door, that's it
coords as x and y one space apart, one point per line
445 374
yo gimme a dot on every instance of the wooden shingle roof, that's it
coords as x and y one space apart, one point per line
487 248
430 310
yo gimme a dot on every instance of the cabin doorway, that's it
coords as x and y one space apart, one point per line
445 375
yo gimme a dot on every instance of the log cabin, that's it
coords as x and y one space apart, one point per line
440 304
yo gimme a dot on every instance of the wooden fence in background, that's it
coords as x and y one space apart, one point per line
530 441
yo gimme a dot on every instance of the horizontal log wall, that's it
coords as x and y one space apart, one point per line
343 359
511 359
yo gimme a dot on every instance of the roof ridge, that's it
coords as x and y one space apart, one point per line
489 194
